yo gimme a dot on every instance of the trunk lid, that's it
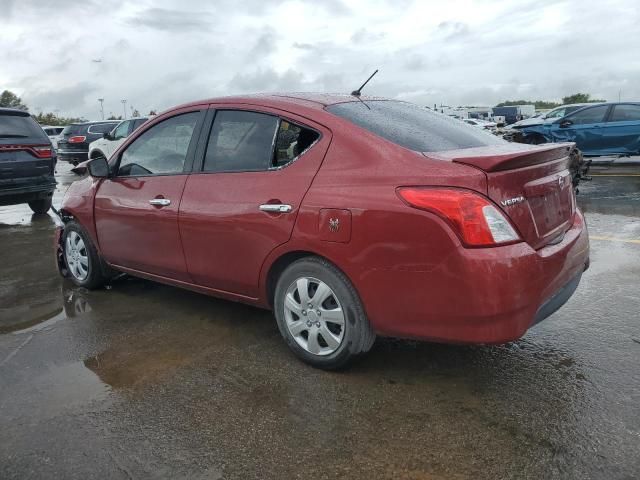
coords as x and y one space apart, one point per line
531 184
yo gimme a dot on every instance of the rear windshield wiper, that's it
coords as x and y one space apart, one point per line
13 135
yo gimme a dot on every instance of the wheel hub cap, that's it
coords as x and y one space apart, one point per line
314 316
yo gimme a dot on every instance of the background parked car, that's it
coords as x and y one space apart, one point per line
73 147
476 122
104 147
53 133
27 161
550 116
600 129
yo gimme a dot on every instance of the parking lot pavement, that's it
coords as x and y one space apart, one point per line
147 381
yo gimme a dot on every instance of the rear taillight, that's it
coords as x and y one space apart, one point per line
473 217
42 152
77 139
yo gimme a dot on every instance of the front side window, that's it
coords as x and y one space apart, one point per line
240 141
121 131
625 113
589 115
162 149
559 113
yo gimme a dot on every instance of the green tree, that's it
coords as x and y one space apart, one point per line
135 113
113 117
580 98
54 120
152 112
11 100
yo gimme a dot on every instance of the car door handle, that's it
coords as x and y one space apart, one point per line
160 202
275 208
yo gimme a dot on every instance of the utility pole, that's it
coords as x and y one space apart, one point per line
619 94
124 107
101 100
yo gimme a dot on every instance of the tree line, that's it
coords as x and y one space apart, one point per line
542 104
9 99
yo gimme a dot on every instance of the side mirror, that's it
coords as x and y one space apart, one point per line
107 136
565 123
98 167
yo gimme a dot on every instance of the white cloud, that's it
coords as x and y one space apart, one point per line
159 53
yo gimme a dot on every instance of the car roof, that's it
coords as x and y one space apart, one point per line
278 100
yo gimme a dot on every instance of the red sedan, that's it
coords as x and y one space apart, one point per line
348 217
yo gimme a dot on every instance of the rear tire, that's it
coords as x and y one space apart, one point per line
320 315
81 259
41 206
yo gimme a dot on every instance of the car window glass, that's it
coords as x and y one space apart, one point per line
137 123
413 127
292 140
589 115
625 113
160 150
556 113
240 141
101 127
20 126
121 131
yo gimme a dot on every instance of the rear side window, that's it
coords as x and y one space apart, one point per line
413 127
625 113
20 127
101 127
292 141
74 129
240 141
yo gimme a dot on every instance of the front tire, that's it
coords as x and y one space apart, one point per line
81 259
41 206
320 315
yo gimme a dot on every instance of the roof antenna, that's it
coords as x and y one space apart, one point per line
358 92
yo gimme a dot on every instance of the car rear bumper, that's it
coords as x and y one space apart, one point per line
72 155
490 295
15 193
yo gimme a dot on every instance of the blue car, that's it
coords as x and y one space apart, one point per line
599 129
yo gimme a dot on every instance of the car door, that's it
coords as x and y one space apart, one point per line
136 210
256 168
621 131
584 127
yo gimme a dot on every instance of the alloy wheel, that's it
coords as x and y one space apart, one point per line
314 317
77 256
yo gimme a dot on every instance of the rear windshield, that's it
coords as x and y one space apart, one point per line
74 129
413 127
20 127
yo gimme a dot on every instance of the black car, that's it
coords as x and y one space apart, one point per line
27 161
73 146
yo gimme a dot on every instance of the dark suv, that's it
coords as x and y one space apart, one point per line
27 162
73 146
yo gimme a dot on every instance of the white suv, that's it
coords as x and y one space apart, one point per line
104 147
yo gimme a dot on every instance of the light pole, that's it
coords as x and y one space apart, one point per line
101 100
124 107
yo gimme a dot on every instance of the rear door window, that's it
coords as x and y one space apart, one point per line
240 141
625 113
413 127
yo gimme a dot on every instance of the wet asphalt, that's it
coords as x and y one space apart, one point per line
142 380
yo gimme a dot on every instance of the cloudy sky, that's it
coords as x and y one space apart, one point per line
159 53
